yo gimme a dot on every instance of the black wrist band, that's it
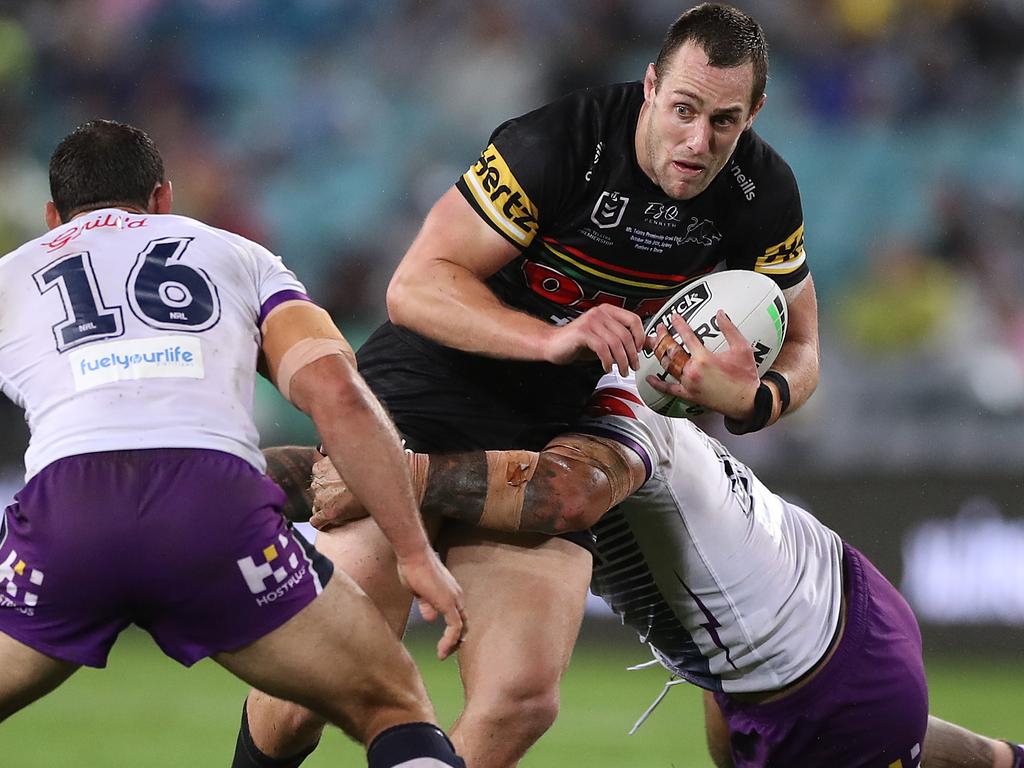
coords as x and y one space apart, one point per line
763 401
782 383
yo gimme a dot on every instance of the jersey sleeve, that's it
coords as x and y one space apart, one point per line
523 177
616 412
776 222
275 283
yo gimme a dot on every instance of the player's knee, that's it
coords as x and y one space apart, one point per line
527 710
540 712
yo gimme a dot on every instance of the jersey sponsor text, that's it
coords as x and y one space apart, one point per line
160 357
501 197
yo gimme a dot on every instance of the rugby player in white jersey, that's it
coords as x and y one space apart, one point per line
131 338
808 656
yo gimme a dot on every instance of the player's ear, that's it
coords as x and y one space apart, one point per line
650 83
161 200
50 215
755 110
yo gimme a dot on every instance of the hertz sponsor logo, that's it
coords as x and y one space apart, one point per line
784 257
501 198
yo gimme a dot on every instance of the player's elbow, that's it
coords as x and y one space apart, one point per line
397 297
328 389
578 494
587 502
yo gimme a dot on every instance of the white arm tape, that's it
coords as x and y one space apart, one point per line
302 353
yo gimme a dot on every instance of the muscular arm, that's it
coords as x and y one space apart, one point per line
798 359
438 290
356 432
563 495
566 487
577 479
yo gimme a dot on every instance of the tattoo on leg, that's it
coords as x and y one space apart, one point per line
291 467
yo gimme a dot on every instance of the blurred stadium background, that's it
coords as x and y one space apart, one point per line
326 128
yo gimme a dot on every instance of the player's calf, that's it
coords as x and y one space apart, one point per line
293 738
950 746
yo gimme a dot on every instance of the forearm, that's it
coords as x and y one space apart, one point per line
365 447
458 485
451 305
291 467
947 745
798 359
798 362
439 288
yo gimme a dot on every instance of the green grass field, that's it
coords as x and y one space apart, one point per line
145 710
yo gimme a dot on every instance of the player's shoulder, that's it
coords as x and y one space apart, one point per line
184 223
759 170
586 110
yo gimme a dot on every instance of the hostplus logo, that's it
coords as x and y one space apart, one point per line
19 585
269 575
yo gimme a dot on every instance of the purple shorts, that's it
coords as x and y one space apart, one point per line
866 708
187 544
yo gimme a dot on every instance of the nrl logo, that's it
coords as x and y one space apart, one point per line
609 209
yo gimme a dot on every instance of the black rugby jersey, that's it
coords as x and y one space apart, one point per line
564 185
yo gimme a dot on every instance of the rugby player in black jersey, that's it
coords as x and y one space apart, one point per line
528 277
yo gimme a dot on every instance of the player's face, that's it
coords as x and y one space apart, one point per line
691 120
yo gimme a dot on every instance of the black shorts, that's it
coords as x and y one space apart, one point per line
442 399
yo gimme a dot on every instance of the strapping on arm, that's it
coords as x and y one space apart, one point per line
295 334
621 469
508 473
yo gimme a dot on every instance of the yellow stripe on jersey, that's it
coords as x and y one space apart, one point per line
784 257
501 197
606 275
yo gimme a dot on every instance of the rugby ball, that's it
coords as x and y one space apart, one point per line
753 302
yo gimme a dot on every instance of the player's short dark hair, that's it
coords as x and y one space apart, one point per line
728 36
104 163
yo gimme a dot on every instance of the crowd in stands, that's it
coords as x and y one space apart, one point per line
324 129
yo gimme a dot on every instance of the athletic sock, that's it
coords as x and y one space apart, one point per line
417 745
1018 754
248 755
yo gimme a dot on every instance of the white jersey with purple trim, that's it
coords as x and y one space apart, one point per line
125 331
734 588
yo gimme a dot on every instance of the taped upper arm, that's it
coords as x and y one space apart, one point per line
296 333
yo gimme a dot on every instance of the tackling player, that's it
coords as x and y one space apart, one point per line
530 275
807 654
130 336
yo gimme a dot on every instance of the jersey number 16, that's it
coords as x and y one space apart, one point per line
161 291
